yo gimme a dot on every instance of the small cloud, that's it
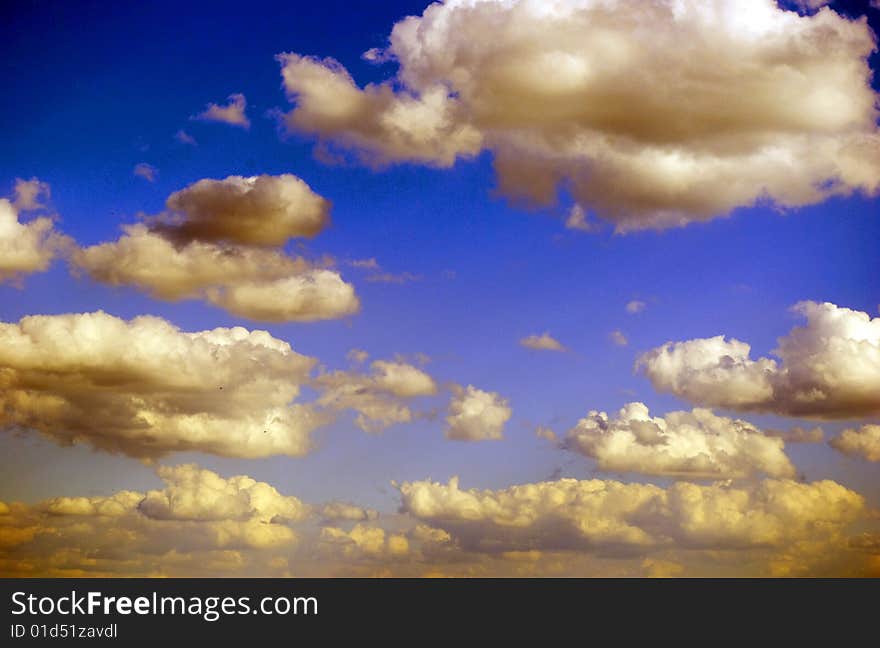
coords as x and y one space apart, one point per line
146 171
366 264
543 342
577 220
635 306
232 113
543 432
618 338
799 435
391 278
358 356
377 55
28 192
185 138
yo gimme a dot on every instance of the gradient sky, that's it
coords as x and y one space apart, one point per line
97 88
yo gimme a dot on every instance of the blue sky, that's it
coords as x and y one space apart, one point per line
98 88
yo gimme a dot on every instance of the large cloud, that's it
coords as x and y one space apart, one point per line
862 442
145 388
27 247
829 368
476 415
380 398
688 444
652 114
220 241
613 517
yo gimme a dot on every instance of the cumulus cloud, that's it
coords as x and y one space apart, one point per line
617 518
146 171
650 116
542 342
198 523
145 388
381 397
232 113
30 246
220 241
365 542
862 442
476 415
257 210
696 444
828 369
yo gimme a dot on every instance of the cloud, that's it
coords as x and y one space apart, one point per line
543 342
194 494
376 120
365 542
577 220
258 210
346 511
476 415
380 398
863 442
635 307
828 369
220 241
146 171
185 138
309 297
144 388
232 113
651 117
28 192
618 338
199 523
696 444
619 519
27 247
798 434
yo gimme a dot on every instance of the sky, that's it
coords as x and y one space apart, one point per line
350 289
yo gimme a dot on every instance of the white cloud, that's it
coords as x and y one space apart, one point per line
185 138
863 442
220 241
365 542
542 342
232 113
618 338
695 444
616 518
828 369
476 415
28 192
635 306
652 116
577 220
194 494
381 397
145 388
146 171
26 247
